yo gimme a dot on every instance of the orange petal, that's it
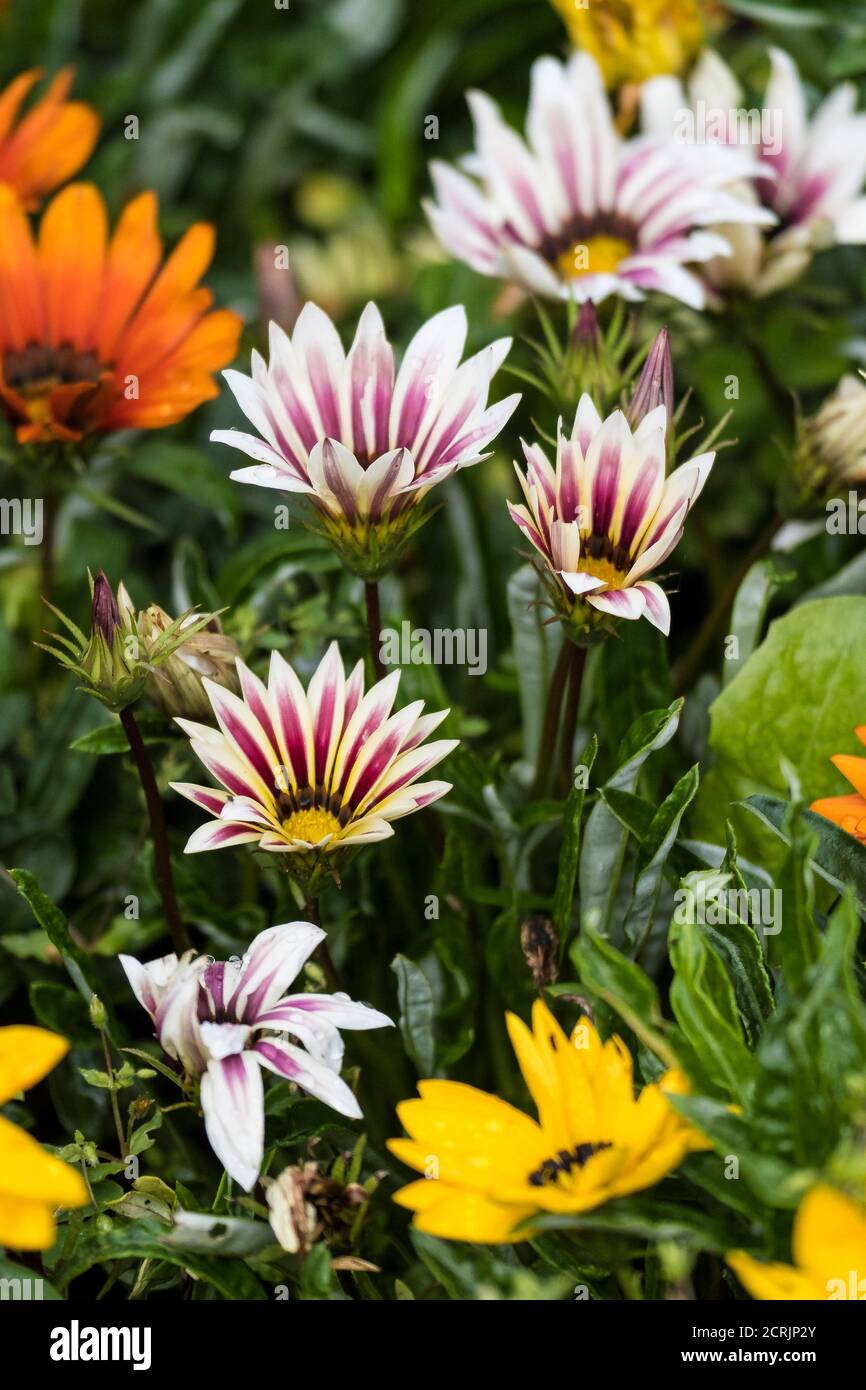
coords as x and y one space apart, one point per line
11 99
72 241
21 315
133 258
853 769
848 812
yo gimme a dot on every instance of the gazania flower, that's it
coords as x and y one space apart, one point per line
33 1183
95 335
222 1022
632 40
812 170
606 515
366 446
575 211
848 812
50 143
829 1251
312 773
490 1167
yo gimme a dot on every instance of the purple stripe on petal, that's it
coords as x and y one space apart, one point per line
277 1057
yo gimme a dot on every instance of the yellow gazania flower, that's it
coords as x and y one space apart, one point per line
32 1182
829 1249
488 1167
632 40
849 811
50 143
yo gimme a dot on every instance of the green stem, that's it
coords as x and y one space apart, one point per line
576 667
374 627
158 832
547 741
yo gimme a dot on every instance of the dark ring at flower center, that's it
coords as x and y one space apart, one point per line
38 367
553 1168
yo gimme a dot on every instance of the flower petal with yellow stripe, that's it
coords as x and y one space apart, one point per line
489 1167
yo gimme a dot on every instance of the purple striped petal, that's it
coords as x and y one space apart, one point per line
233 1102
311 1075
272 962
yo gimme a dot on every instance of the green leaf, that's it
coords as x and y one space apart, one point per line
19 1281
604 839
703 1000
417 1012
56 928
625 987
749 611
653 854
838 857
111 738
797 698
536 645
569 854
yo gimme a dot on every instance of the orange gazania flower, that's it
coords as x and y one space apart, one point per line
95 335
50 143
848 811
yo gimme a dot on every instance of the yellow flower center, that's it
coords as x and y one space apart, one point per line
595 256
311 825
604 570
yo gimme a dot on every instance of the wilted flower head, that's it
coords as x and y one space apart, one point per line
366 446
47 145
117 662
96 335
607 516
596 1137
576 211
311 773
222 1022
176 684
831 444
810 172
305 1204
632 40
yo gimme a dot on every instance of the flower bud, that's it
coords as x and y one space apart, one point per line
113 664
655 385
176 685
831 444
98 1015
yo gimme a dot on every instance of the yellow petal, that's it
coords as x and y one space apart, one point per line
25 1225
460 1215
26 1055
829 1239
28 1172
772 1281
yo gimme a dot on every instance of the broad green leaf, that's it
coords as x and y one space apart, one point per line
652 857
750 609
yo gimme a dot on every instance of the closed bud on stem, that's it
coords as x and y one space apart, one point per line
655 385
114 664
98 1015
176 685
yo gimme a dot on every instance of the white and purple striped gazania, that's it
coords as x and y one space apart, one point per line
324 770
222 1022
607 516
575 210
811 171
362 441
